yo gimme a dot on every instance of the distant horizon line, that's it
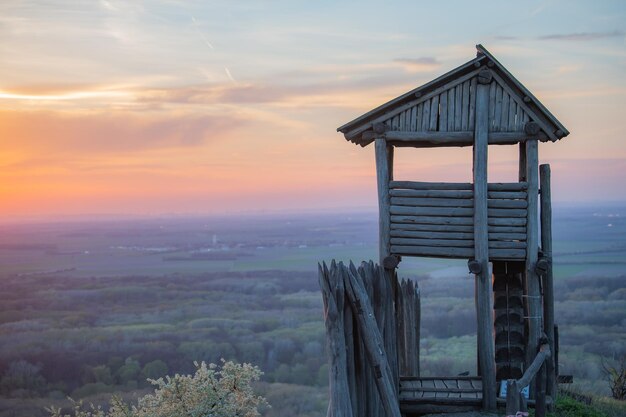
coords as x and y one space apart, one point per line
355 210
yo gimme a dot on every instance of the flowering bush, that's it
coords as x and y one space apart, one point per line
211 392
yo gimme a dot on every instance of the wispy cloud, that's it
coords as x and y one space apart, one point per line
422 64
110 133
583 36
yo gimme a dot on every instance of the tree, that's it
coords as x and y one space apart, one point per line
22 376
616 374
224 391
129 371
155 369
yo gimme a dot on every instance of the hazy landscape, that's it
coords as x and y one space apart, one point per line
89 308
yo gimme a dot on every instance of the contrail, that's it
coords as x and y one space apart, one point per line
230 75
204 38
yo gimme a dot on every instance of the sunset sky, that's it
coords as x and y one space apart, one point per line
204 107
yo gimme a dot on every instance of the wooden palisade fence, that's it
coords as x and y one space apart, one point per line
502 230
367 347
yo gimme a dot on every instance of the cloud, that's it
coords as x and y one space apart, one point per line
582 36
422 64
50 133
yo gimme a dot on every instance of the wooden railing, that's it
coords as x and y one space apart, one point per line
436 219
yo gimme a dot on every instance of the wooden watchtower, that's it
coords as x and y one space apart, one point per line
477 104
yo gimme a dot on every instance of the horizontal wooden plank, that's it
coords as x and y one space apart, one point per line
453 211
431 202
475 379
441 390
513 204
465 221
506 212
506 221
432 193
414 185
511 195
432 137
433 251
507 229
507 236
507 186
432 235
455 202
506 254
457 243
492 186
498 244
406 402
432 228
434 211
448 138
508 138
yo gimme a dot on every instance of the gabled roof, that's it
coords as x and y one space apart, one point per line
431 107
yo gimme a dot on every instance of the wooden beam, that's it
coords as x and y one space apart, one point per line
456 252
486 350
431 235
431 202
461 221
433 228
442 252
446 138
548 280
448 243
383 177
535 319
513 195
431 137
431 193
507 186
494 186
416 185
373 342
432 211
333 297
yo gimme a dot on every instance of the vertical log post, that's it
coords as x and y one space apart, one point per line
384 174
373 341
332 285
484 310
548 281
533 292
384 217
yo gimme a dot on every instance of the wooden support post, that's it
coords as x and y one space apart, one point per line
332 285
384 218
522 162
548 280
513 397
484 310
533 292
373 342
384 175
540 391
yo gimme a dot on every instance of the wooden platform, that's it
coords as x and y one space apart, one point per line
440 394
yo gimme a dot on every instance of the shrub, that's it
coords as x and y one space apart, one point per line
211 391
616 375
